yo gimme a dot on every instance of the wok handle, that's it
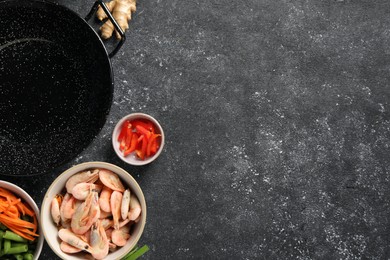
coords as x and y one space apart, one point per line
112 19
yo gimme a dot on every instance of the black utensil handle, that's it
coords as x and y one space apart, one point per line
112 19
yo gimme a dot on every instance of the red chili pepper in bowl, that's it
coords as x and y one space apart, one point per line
140 137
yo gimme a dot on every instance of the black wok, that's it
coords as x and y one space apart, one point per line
56 85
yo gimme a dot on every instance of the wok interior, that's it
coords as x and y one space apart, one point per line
55 84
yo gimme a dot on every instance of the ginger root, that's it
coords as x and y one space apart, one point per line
121 10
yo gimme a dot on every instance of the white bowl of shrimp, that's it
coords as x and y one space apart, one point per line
94 210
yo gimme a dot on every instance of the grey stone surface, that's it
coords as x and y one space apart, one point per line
276 115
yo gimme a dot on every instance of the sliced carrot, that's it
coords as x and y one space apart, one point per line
18 221
27 209
5 193
12 212
21 208
17 231
28 232
15 201
35 222
11 208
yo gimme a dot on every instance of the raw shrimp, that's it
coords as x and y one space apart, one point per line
86 176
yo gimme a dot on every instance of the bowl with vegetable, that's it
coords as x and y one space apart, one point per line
93 210
138 139
20 233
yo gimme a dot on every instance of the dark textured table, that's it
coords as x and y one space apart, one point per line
277 119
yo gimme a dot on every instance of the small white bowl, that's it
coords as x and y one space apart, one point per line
50 230
19 192
132 158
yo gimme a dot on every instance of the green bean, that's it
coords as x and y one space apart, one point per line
14 237
28 256
18 257
17 249
14 244
7 246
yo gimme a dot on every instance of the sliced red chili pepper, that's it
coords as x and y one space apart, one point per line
144 147
143 131
133 144
124 142
145 124
123 130
152 142
138 146
129 135
141 152
154 147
